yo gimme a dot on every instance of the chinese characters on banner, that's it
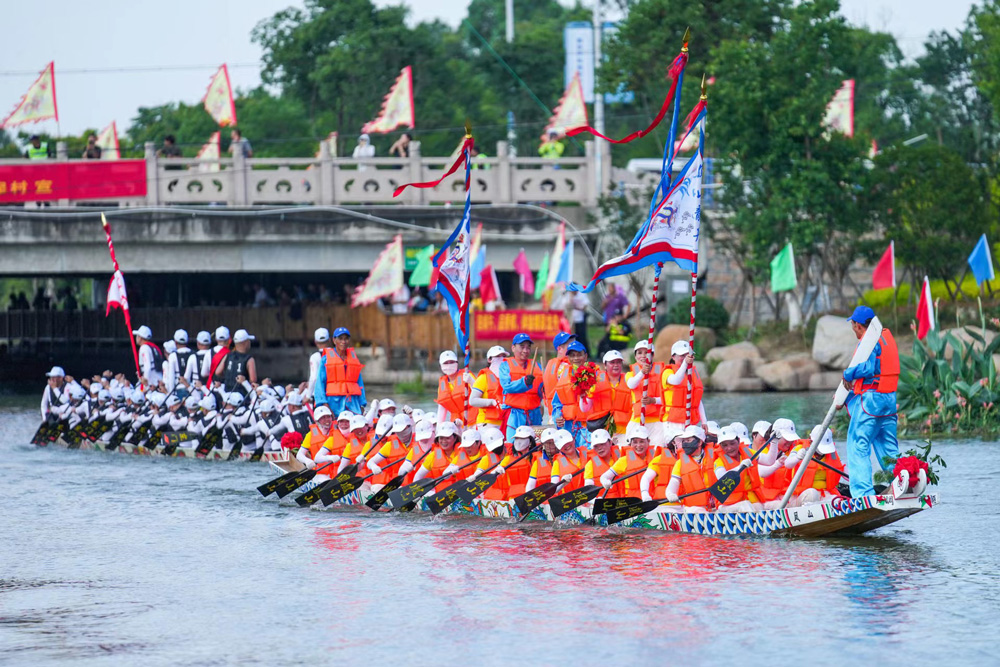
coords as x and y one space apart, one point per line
72 180
504 324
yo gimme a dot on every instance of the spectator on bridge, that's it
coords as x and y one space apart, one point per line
325 296
551 148
170 150
37 149
260 296
22 302
363 149
41 300
401 147
613 301
239 143
13 302
92 151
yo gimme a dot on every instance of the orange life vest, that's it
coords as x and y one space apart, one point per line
495 492
774 487
612 398
528 400
633 463
397 449
494 391
342 375
440 462
316 440
888 358
749 478
464 456
600 466
663 473
568 466
454 397
675 398
550 377
515 477
337 441
653 412
693 478
571 411
808 480
544 472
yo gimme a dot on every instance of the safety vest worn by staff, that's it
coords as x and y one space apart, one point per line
612 398
675 397
40 153
342 375
653 412
888 363
454 397
530 399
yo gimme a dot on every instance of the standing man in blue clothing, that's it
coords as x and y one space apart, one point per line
521 381
871 405
339 384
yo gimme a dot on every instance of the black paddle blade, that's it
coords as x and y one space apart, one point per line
605 505
570 500
268 488
376 501
410 492
623 513
444 498
724 488
301 478
257 455
40 433
532 499
234 453
338 490
312 495
468 491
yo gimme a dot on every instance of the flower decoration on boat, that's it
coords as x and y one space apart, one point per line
912 465
584 378
291 440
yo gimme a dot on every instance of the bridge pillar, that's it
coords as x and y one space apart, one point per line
152 175
504 193
326 197
415 174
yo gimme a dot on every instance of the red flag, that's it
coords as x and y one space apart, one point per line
884 275
117 295
523 269
925 311
489 288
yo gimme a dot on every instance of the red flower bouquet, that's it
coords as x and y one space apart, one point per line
913 466
291 440
584 378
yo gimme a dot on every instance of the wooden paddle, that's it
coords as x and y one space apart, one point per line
331 493
601 507
411 493
532 499
300 478
311 496
466 490
382 495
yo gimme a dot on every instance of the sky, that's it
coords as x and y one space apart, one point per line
158 57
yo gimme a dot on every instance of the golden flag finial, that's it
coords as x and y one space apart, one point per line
704 90
104 221
468 129
686 39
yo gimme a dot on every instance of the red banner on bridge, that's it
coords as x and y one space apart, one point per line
86 179
505 324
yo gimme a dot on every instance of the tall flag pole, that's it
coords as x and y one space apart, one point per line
117 295
39 103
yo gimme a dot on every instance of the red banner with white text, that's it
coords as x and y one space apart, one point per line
505 324
86 179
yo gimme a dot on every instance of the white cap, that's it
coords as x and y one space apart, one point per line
741 432
431 418
56 372
322 411
599 437
117 394
357 421
181 336
826 445
470 438
694 431
611 355
496 351
424 430
524 432
400 423
241 336
671 431
727 433
155 397
138 396
191 402
235 399
94 388
295 398
268 392
144 332
321 335
446 429
785 429
712 427
638 431
386 403
680 347
760 428
345 416
547 434
169 347
103 395
643 345
268 405
204 338
416 415
76 391
384 425
563 437
447 356
222 334
492 438
173 400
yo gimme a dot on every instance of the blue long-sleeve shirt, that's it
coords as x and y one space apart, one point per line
520 386
319 390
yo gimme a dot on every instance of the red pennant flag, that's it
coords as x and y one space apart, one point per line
489 288
925 311
523 270
884 275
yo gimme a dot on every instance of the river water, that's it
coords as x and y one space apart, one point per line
114 560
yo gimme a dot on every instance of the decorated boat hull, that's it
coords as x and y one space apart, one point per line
179 452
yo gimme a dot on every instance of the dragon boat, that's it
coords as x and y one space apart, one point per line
281 457
841 517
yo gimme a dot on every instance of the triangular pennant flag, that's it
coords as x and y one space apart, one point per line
210 151
108 141
925 311
218 98
981 261
117 296
542 277
39 103
478 263
397 107
385 278
840 111
489 286
422 272
783 270
526 281
571 111
884 275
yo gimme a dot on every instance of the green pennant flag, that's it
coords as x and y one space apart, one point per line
421 275
783 270
542 277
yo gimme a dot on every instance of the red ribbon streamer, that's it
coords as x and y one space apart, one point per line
680 62
466 145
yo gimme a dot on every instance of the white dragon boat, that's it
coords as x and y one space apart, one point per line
281 457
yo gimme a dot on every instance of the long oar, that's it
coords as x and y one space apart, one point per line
382 495
311 496
602 507
466 490
528 501
408 496
329 494
300 478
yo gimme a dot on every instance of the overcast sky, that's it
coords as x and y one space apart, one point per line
195 36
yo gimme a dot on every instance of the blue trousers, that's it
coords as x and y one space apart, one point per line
580 433
520 417
340 403
873 427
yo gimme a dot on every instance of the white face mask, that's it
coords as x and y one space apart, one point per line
495 365
449 367
521 444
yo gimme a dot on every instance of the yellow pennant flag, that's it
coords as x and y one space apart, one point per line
386 276
840 111
571 112
108 142
210 151
219 98
397 108
39 103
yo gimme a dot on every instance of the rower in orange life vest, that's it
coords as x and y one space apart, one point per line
871 405
443 463
541 462
454 388
396 443
358 444
611 394
338 381
332 450
636 457
493 452
675 394
733 455
601 457
315 438
424 441
569 409
487 394
569 460
654 481
550 376
513 473
773 466
817 483
521 379
690 473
